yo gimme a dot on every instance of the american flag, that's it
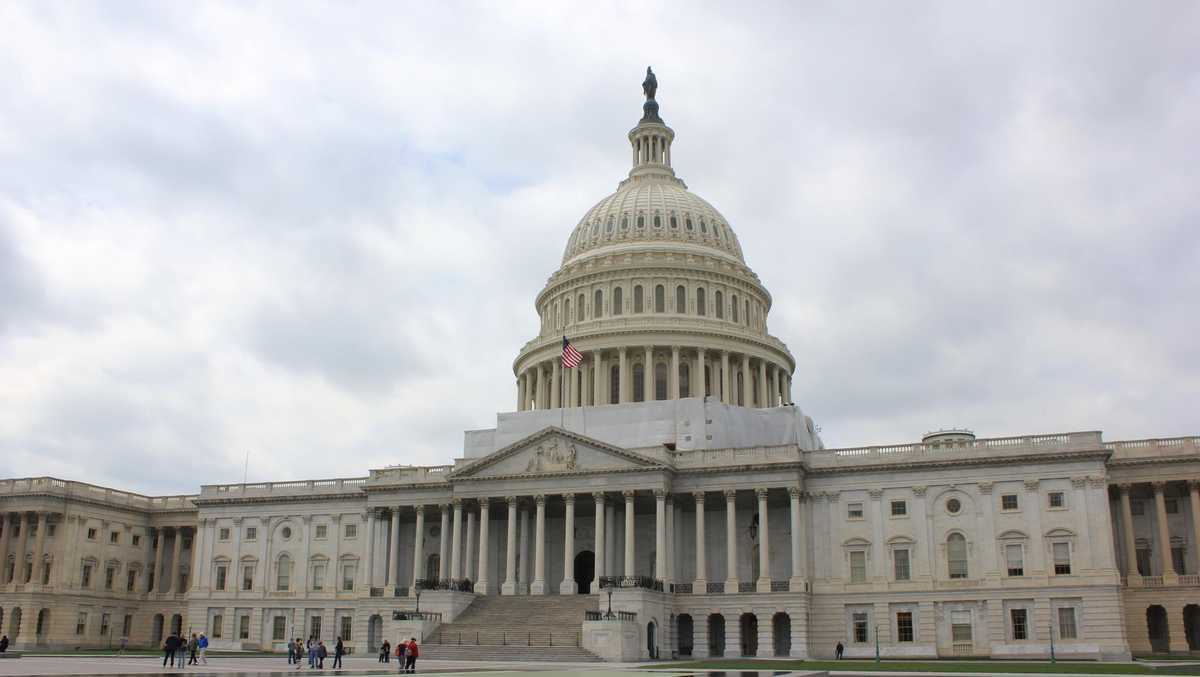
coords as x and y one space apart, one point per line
571 358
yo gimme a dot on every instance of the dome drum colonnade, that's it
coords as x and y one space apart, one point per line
655 293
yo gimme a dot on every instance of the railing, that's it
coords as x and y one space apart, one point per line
1067 441
377 592
747 586
453 584
1189 579
609 616
411 474
289 488
1170 446
644 582
715 588
451 637
400 591
417 616
1152 581
71 488
683 588
781 586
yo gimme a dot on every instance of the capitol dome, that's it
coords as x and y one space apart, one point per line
655 293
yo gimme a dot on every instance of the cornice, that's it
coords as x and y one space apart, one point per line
1098 454
307 498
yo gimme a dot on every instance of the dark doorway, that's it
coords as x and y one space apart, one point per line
1191 626
156 630
585 571
716 635
685 632
781 628
749 627
652 640
176 624
1156 626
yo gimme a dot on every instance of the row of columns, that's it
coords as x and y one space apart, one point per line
547 385
1163 537
19 545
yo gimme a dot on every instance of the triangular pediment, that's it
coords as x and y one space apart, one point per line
555 451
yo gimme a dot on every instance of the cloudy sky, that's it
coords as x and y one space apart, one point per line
312 233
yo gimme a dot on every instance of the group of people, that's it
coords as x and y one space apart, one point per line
178 648
316 652
406 654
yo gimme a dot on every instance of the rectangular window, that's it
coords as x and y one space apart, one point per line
86 580
223 534
278 628
1014 554
137 540
858 566
904 626
217 622
81 623
1019 628
221 573
315 621
960 626
130 580
900 564
899 508
318 577
1143 562
1066 623
1008 502
109 574
860 627
251 533
127 625
1137 508
854 511
50 528
1172 506
348 577
114 537
104 625
347 621
1062 559
91 534
1057 499
1177 560
283 577
244 627
248 577
351 530
321 531
46 573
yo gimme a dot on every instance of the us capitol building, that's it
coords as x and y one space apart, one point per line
669 478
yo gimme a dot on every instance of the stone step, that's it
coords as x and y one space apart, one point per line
490 652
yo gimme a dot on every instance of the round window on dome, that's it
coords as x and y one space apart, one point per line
953 506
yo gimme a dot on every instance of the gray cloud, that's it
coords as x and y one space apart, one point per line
314 235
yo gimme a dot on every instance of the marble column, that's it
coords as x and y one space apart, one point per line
673 378
1164 531
481 579
39 548
160 560
456 541
368 553
630 568
521 392
393 570
5 539
623 376
725 399
1131 567
468 557
773 400
22 542
700 585
787 388
762 384
747 383
796 584
176 555
444 544
610 539
700 376
525 564
418 548
764 548
510 550
539 548
731 575
568 587
555 384
539 388
600 540
1194 492
660 535
670 538
648 375
597 380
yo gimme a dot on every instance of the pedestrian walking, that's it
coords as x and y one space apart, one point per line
312 652
410 662
298 648
170 645
321 653
338 650
193 649
121 650
203 648
837 651
385 652
3 644
401 653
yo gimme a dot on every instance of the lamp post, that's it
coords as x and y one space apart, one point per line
417 588
876 642
1052 658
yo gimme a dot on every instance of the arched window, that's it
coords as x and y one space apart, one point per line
637 299
703 228
706 386
609 228
685 381
747 314
614 385
283 575
674 223
598 304
740 390
660 301
956 555
688 223
579 308
618 301
657 221
680 299
733 307
660 381
641 221
639 383
624 223
720 306
566 311
701 308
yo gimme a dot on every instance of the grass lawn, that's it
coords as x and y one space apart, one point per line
933 666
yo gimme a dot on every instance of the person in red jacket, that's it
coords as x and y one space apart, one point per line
410 661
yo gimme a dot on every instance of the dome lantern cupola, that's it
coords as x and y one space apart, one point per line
651 139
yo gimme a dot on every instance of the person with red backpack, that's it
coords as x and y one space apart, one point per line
401 652
410 664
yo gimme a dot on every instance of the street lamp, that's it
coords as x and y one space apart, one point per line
417 588
876 642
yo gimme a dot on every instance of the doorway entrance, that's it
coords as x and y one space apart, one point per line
585 571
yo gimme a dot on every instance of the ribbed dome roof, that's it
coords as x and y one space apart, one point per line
653 209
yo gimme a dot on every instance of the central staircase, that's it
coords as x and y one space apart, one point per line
517 628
